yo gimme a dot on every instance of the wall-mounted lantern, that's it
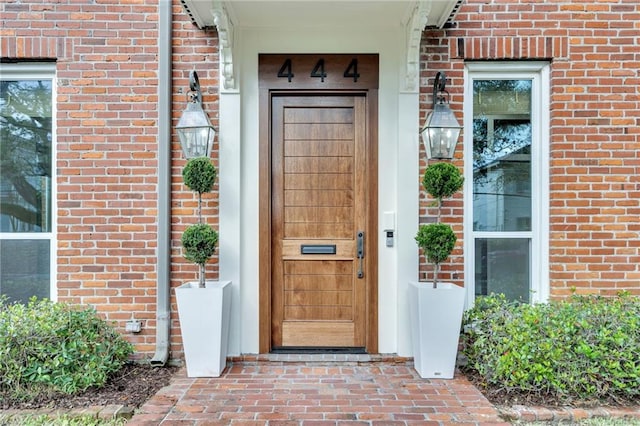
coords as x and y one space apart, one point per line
194 128
441 131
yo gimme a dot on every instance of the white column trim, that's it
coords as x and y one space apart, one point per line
417 21
225 37
230 174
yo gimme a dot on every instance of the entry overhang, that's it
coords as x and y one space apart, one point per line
326 14
412 16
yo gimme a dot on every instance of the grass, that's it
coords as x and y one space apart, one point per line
589 422
65 420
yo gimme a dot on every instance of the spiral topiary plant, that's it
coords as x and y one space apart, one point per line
437 240
199 240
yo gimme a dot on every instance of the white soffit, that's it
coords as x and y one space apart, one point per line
374 14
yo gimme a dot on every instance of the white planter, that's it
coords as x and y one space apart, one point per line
204 321
436 317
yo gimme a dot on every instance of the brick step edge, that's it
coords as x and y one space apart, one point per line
99 412
545 414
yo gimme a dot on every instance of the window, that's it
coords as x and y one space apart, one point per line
26 172
506 180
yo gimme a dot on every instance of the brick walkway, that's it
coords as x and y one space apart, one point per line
317 391
288 390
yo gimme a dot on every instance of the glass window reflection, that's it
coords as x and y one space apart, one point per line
25 156
502 266
502 155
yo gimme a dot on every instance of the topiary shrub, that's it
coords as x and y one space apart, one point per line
53 347
584 349
437 240
199 174
199 241
442 180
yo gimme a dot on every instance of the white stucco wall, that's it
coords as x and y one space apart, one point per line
398 141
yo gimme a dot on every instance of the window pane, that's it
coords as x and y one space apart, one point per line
502 155
25 156
24 269
502 266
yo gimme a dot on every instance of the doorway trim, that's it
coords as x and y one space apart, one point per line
268 87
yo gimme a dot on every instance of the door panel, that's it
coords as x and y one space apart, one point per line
318 199
306 333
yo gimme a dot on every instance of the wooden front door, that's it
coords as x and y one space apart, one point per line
319 219
318 199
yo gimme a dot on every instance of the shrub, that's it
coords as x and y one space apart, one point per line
53 347
199 174
199 243
442 180
437 240
581 349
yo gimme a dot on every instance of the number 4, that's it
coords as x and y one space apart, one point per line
285 70
318 71
352 70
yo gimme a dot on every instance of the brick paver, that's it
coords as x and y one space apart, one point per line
317 393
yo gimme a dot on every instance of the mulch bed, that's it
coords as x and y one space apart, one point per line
131 386
511 397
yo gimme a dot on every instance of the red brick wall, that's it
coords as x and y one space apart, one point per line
107 146
595 126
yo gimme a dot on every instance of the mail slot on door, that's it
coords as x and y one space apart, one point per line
318 249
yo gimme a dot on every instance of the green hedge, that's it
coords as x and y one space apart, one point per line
54 347
584 348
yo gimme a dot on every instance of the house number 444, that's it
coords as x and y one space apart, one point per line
318 71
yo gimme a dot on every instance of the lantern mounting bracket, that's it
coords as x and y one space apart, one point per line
439 86
195 94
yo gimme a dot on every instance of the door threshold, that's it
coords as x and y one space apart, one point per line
305 350
321 358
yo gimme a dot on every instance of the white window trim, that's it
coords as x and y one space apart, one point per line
538 72
41 71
